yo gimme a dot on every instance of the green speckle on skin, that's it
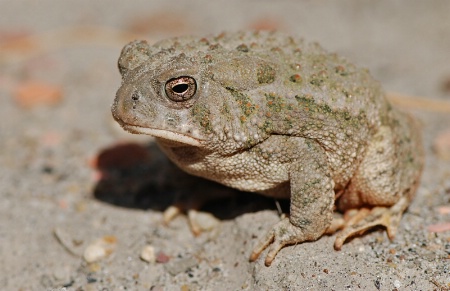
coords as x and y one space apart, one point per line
288 123
250 143
304 222
225 110
319 78
265 74
309 185
275 103
327 108
346 115
246 104
316 81
308 105
202 114
267 126
410 159
306 102
305 98
282 231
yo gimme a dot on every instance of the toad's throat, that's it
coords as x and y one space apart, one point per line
164 134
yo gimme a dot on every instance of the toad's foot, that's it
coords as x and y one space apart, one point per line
282 234
198 221
170 213
337 223
366 219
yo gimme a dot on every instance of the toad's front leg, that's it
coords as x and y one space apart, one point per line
312 201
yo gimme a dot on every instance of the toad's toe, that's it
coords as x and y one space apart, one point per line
366 219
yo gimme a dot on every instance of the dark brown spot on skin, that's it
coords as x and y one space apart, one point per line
296 78
265 74
243 48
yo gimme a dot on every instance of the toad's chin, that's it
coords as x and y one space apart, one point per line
166 135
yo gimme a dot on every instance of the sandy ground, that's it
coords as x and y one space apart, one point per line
69 176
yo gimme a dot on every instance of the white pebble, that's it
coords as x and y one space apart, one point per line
94 253
100 249
202 221
148 254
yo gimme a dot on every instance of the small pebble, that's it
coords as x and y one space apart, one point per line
397 284
162 258
94 253
202 221
148 254
100 249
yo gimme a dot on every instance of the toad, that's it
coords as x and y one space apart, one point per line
269 113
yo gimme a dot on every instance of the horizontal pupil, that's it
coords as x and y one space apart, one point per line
180 88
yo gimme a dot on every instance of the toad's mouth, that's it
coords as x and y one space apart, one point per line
176 137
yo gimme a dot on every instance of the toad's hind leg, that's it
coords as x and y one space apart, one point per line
385 181
366 219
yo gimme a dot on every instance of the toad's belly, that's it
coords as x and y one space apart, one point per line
244 171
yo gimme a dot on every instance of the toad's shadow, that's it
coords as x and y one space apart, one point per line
137 176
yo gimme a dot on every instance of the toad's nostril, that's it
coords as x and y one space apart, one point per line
135 96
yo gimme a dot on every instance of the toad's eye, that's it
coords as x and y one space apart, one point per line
181 88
